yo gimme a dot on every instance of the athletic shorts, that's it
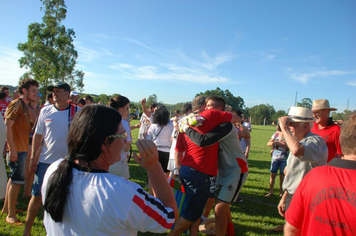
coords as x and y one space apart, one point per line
212 187
228 187
278 164
17 168
38 180
196 185
163 158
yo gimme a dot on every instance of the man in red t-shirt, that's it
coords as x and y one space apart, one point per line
3 104
197 166
324 202
326 128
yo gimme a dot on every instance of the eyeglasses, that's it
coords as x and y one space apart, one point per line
123 136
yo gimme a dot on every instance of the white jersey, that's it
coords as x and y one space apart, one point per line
105 204
53 124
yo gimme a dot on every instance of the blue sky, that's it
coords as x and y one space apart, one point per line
263 51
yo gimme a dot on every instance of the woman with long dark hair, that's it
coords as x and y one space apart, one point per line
122 105
80 197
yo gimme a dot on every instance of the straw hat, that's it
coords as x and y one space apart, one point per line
300 114
207 226
320 104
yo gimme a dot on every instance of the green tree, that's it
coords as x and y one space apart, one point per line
152 99
259 112
342 115
306 102
277 115
49 53
230 99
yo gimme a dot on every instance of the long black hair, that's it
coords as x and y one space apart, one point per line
161 116
87 133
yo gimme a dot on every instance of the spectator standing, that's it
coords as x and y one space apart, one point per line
49 100
246 123
80 196
326 128
307 150
5 89
122 104
18 126
279 154
186 109
3 104
3 176
324 203
74 97
144 125
88 100
52 127
160 133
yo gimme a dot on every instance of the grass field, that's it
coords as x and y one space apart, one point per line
256 215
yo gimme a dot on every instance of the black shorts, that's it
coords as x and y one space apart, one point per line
163 158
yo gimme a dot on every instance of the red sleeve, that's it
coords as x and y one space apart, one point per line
295 213
181 144
337 143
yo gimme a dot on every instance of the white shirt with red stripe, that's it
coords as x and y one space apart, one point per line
54 124
105 204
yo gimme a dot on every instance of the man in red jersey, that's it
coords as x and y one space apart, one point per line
197 166
325 203
3 103
326 128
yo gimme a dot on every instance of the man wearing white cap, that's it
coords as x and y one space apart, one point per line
325 127
307 151
74 97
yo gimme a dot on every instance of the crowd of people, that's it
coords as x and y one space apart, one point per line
76 165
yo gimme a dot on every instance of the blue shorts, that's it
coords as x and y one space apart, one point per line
278 164
17 168
38 180
197 186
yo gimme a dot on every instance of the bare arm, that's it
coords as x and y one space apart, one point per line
293 143
248 147
290 230
270 142
10 141
178 157
282 204
149 160
244 133
144 108
35 151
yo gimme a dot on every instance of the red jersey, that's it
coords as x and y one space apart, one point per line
331 135
325 200
203 159
3 106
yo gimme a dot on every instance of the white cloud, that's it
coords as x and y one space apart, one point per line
10 70
167 72
305 77
352 83
213 62
143 45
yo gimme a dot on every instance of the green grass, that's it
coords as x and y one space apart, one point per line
256 215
